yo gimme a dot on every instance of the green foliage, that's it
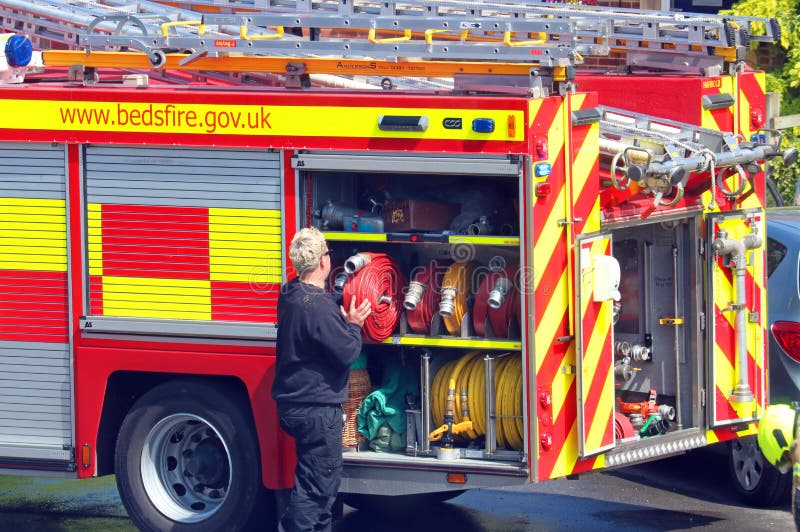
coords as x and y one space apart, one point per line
785 79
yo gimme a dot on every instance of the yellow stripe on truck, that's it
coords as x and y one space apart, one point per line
33 234
269 120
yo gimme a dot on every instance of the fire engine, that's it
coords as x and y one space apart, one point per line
569 265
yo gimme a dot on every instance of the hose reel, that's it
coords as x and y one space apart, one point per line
375 277
423 296
469 374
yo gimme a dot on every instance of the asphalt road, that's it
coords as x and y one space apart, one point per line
683 493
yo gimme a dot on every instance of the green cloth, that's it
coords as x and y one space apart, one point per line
387 440
361 362
387 404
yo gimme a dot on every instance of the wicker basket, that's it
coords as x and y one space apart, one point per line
358 389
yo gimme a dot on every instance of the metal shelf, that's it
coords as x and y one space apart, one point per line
464 343
422 238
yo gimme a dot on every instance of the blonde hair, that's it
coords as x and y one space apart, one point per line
306 250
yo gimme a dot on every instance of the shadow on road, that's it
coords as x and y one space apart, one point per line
439 517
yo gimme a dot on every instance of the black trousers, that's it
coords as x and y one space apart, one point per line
317 432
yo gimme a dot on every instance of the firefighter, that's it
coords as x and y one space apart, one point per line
778 433
317 342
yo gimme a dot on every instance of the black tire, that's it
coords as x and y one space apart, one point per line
397 503
757 482
187 460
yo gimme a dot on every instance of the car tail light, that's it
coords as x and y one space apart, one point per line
787 333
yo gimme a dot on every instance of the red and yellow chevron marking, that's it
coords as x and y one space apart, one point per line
595 376
584 173
725 361
717 119
33 270
553 352
184 262
745 117
726 434
751 102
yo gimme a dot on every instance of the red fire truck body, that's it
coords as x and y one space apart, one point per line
607 260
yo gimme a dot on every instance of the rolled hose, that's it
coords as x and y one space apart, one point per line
497 299
469 374
420 308
623 428
456 288
379 281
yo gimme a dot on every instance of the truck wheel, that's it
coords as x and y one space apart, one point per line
187 460
757 481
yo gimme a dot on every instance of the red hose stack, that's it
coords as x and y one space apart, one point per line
500 317
419 315
380 282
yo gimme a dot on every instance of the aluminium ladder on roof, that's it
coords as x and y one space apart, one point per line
62 21
594 30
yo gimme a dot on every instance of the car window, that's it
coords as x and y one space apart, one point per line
776 252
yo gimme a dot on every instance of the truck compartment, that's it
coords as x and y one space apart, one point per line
657 346
430 223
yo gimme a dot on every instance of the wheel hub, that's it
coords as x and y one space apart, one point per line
207 464
747 463
186 468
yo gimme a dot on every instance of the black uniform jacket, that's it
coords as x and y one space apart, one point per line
316 347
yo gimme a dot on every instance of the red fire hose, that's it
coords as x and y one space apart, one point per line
622 427
376 278
423 296
497 299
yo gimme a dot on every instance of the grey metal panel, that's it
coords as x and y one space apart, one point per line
165 177
35 377
25 387
174 187
98 324
160 156
32 171
240 180
184 177
421 164
34 452
233 168
51 400
101 193
35 412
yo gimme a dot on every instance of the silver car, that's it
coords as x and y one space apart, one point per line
759 483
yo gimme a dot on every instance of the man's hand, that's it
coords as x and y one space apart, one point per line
356 314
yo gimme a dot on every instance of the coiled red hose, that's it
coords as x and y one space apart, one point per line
499 318
380 282
430 276
622 426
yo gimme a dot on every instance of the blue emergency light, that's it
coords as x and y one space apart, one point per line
19 51
483 125
543 169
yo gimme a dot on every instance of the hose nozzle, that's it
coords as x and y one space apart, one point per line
667 412
414 295
356 262
447 304
339 282
498 294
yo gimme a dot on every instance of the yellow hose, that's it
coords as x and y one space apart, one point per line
459 276
469 374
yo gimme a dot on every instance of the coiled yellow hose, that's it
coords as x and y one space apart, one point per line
469 374
459 276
